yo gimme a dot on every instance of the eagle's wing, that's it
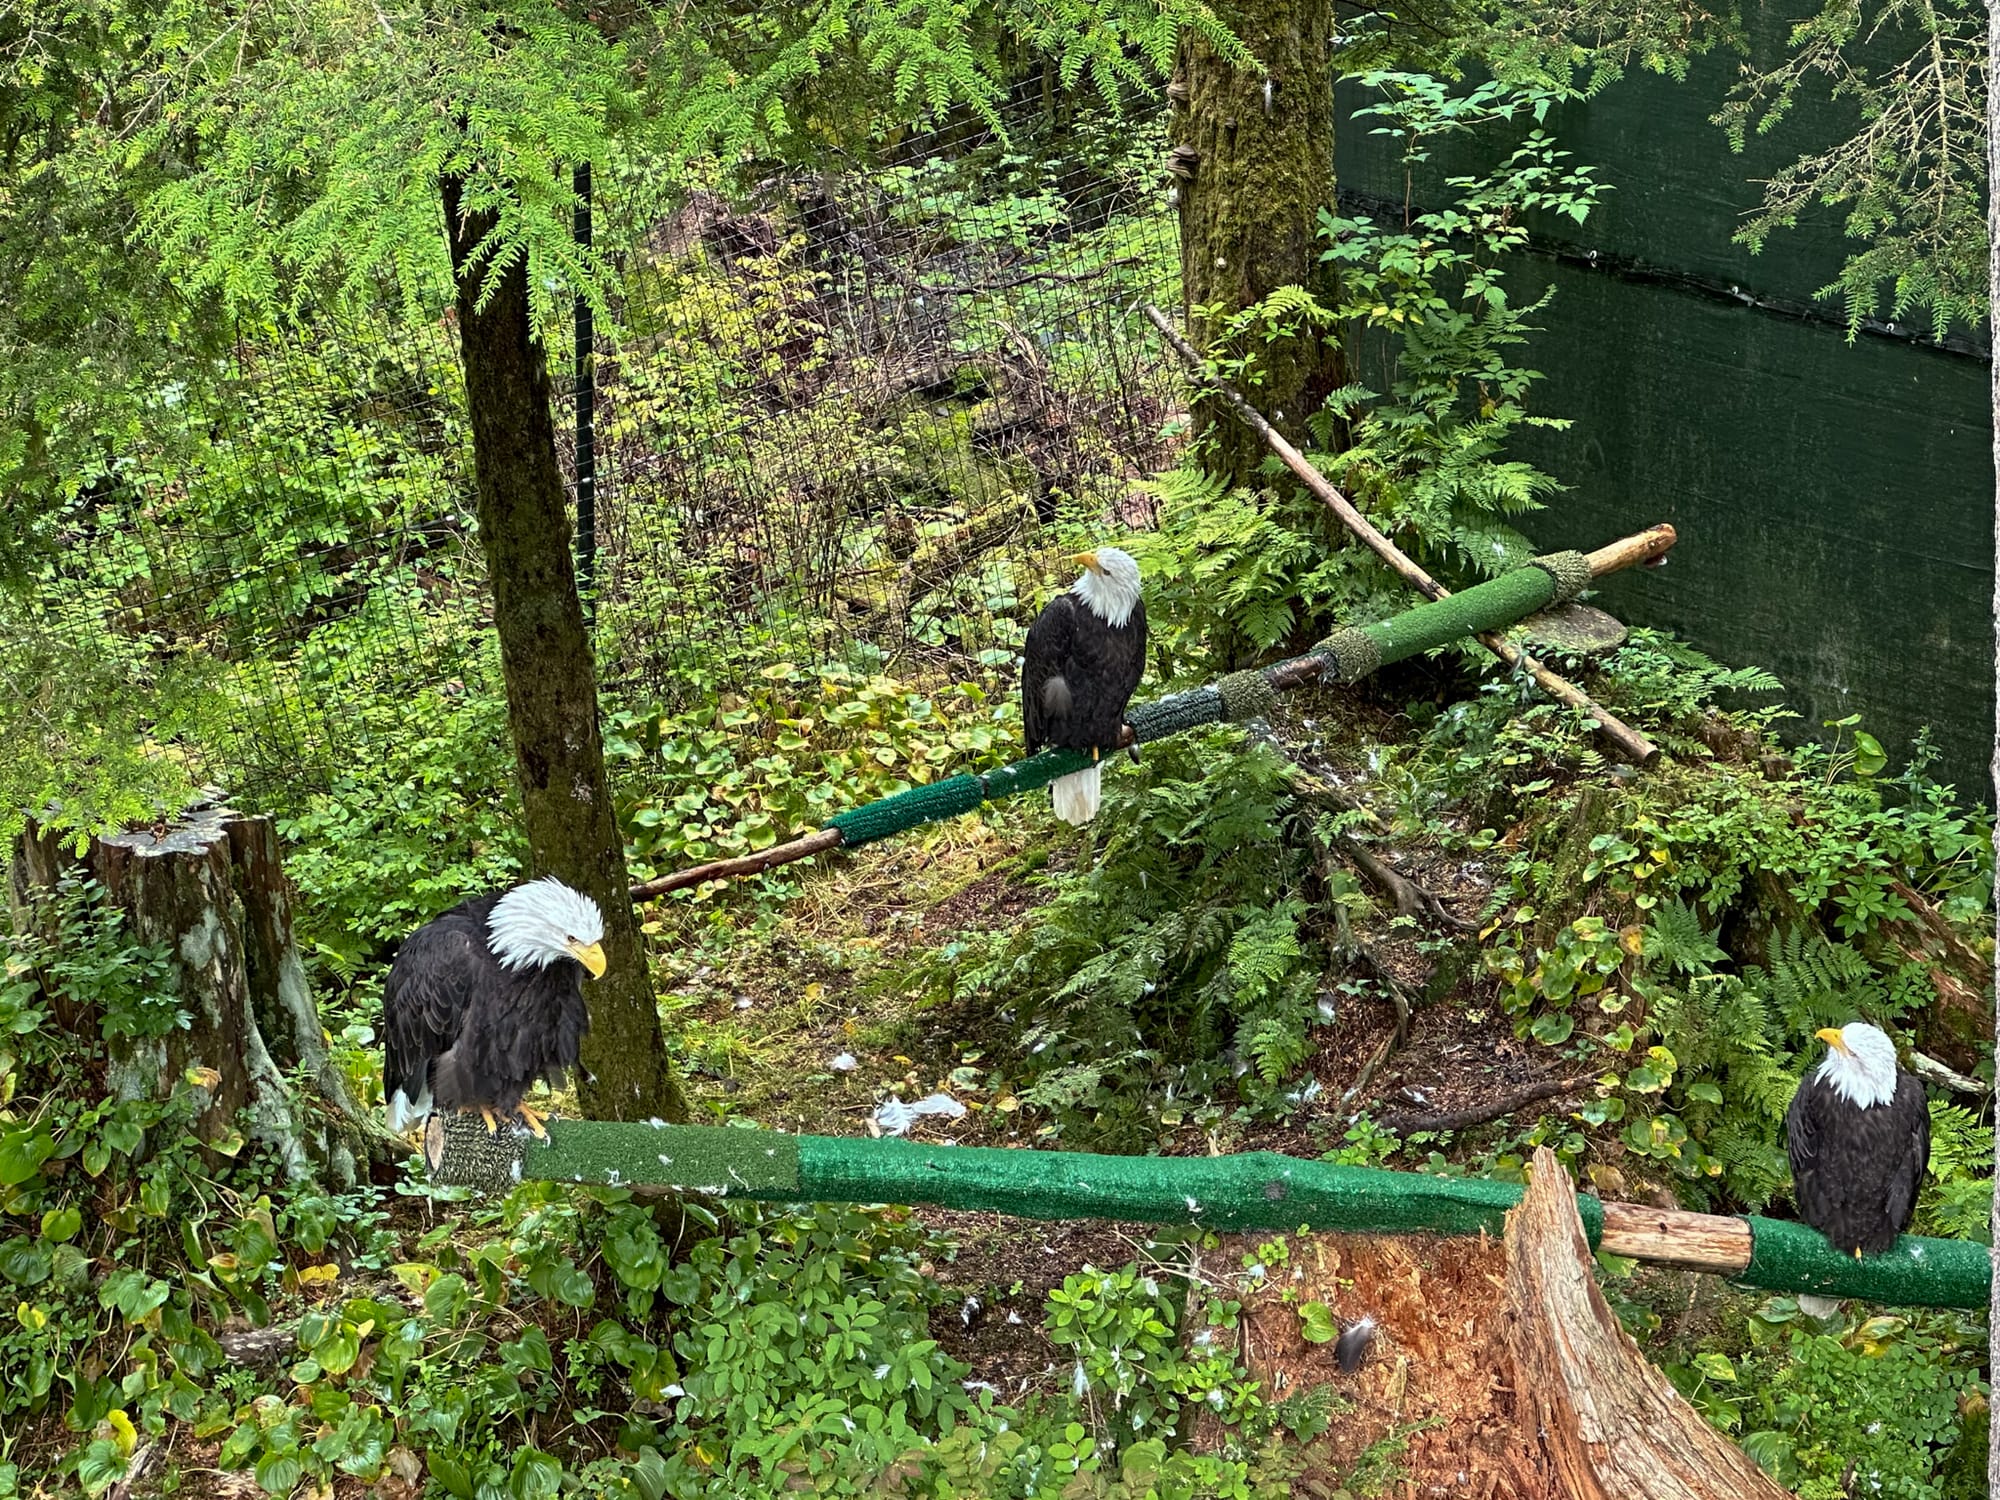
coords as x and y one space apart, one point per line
1045 693
424 1001
1911 1110
1136 668
1801 1144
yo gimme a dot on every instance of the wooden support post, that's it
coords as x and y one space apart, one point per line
1615 1427
1633 745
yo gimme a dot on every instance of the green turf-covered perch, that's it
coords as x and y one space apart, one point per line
1346 656
1260 1190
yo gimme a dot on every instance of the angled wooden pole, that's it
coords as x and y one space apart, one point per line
1626 552
1633 745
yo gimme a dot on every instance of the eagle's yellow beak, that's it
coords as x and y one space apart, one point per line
591 956
1087 560
1831 1036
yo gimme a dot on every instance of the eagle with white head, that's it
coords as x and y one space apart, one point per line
1084 655
487 999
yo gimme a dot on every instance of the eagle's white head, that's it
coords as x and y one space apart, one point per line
535 924
1109 586
1860 1063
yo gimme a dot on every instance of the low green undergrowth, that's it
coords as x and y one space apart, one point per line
557 1342
1870 1403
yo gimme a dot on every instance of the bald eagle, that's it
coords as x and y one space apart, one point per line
486 999
1859 1136
1085 654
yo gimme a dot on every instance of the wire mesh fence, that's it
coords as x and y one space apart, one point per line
838 415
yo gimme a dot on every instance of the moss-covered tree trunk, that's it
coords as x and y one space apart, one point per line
550 669
1254 158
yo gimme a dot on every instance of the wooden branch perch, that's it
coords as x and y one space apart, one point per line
1627 740
1615 1427
817 842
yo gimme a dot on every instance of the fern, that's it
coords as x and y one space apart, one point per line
1192 935
1677 939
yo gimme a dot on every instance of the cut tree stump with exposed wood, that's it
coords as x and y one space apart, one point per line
1615 1427
1549 1400
209 889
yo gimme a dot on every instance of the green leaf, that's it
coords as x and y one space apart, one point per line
450 1473
1868 754
680 1285
101 1467
279 1473
649 1475
123 1136
25 1262
60 1224
1705 1091
446 1299
536 1476
1553 1030
22 1153
1716 1367
133 1294
1316 1325
1772 1452
337 1354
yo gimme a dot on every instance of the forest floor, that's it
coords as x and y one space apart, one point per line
805 1023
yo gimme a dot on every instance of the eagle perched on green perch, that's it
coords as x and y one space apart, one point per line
1859 1137
1085 654
485 1000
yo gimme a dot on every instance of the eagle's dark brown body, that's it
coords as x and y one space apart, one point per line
1856 1172
1078 674
462 1032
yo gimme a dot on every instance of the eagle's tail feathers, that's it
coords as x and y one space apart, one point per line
405 1112
1076 795
1056 698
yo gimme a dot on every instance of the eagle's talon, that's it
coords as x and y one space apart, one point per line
492 1121
533 1119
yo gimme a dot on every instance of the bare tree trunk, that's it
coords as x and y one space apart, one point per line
1993 316
1254 160
211 891
1616 1428
550 669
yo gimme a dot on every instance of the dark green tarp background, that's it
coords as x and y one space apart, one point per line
1835 501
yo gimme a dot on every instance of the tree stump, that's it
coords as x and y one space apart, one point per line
210 889
1614 1426
1496 1370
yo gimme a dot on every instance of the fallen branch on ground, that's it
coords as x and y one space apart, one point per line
1406 1123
